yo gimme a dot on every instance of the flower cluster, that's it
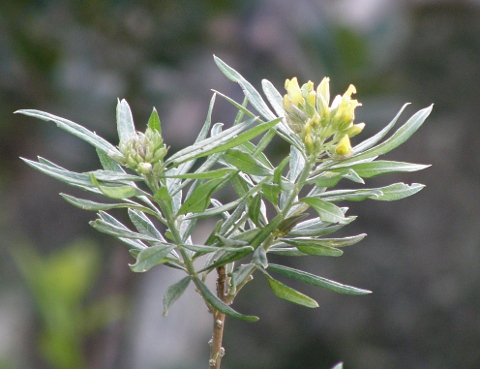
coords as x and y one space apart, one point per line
323 128
143 152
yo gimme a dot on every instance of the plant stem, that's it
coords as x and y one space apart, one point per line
216 349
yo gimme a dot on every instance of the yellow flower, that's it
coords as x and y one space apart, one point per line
343 147
294 94
344 107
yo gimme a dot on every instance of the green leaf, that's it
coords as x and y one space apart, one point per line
149 257
368 143
399 191
219 173
380 167
200 198
174 292
351 195
125 125
143 224
154 121
246 163
96 206
273 96
221 142
205 249
287 293
119 231
327 211
74 129
329 242
218 304
254 209
116 192
399 137
311 248
271 192
260 257
315 227
250 92
316 280
108 163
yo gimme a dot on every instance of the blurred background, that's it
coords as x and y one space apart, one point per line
68 298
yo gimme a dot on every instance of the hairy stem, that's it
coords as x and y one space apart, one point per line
216 349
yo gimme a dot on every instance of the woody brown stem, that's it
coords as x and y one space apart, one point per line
216 349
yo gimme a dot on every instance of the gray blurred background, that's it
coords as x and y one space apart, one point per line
68 298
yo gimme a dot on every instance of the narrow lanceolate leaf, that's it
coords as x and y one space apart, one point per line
316 228
250 92
380 167
287 293
148 258
143 224
72 128
260 257
96 206
368 143
154 121
200 198
174 292
316 280
311 248
221 142
108 163
219 173
125 125
116 192
330 242
399 191
246 162
218 304
399 137
273 96
327 211
119 231
351 195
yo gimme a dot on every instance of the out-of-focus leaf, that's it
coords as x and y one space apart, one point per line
218 304
149 257
316 280
125 125
117 231
287 293
219 173
174 292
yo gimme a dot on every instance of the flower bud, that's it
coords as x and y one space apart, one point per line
343 147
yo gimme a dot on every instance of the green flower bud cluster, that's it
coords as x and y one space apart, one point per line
323 128
143 152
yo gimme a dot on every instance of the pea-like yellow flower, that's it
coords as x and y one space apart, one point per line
325 129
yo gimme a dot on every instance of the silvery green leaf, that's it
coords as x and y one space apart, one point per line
151 256
260 257
73 128
113 176
351 195
399 137
368 143
330 242
125 125
119 231
200 198
246 162
287 293
316 280
108 163
327 212
218 173
398 191
96 206
273 96
174 292
315 227
380 167
80 180
314 249
115 191
218 304
143 223
250 92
